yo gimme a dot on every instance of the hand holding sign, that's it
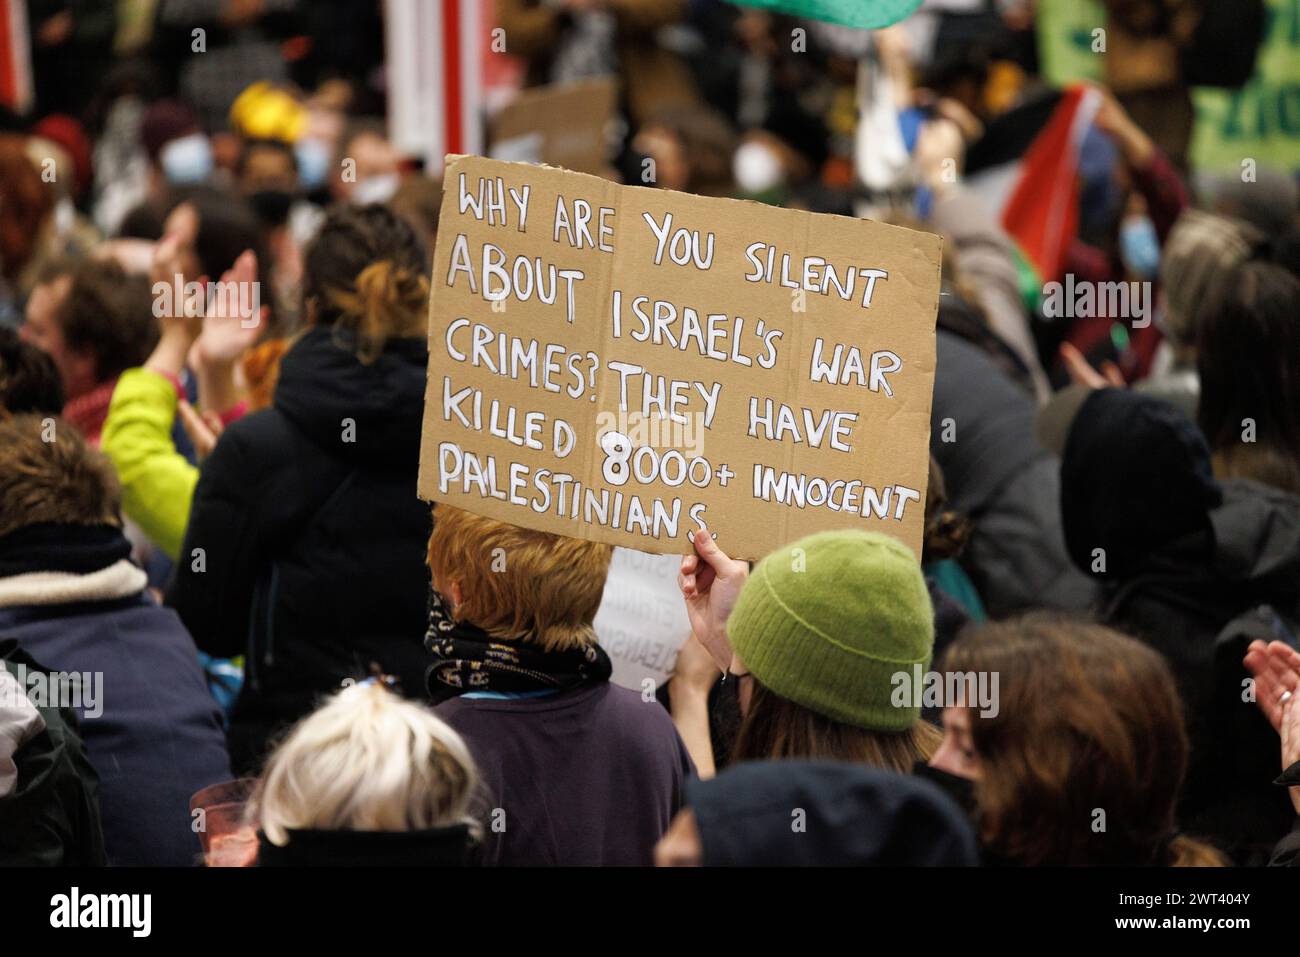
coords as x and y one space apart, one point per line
711 583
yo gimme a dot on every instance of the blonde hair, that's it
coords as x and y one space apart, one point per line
388 301
519 583
366 760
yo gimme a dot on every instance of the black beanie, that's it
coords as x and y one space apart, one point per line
1135 480
825 813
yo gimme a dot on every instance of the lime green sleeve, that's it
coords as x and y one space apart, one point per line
157 481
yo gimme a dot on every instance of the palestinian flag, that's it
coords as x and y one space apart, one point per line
1031 168
15 57
864 14
1044 171
1042 212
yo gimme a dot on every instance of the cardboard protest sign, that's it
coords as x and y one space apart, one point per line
563 125
642 621
630 365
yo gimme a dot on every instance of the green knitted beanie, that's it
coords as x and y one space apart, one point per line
827 622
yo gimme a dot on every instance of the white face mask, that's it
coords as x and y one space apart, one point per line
65 216
756 169
187 160
375 189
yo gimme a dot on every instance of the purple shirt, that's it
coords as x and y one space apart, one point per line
586 777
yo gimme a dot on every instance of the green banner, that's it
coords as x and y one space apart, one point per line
1259 122
1065 40
866 14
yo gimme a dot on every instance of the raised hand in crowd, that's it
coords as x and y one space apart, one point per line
233 319
1276 669
1132 142
179 325
1082 373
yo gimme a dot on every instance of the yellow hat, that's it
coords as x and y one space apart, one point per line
264 111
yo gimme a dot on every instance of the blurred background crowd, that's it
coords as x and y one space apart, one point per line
115 111
296 148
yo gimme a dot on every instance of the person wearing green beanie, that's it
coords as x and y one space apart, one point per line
815 636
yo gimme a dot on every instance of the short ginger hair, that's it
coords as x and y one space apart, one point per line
49 473
517 583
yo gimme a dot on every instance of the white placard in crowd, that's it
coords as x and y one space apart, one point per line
642 620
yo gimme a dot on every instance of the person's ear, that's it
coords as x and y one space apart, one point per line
457 597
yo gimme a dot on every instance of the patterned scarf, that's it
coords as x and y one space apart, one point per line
469 659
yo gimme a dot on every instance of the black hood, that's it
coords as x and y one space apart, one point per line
750 815
323 383
1135 481
450 846
1257 535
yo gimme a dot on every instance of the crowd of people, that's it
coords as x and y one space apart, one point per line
214 565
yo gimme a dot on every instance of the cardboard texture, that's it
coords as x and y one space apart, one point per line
630 365
562 125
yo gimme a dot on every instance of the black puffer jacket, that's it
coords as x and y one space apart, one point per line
996 472
1185 557
312 537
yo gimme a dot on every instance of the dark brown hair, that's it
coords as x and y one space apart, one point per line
946 531
775 727
1089 722
227 225
108 313
48 473
1248 357
29 380
367 273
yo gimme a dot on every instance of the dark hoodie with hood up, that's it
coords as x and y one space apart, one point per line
1183 560
313 538
852 816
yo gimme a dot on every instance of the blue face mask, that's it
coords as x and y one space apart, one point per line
187 160
1139 247
313 163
